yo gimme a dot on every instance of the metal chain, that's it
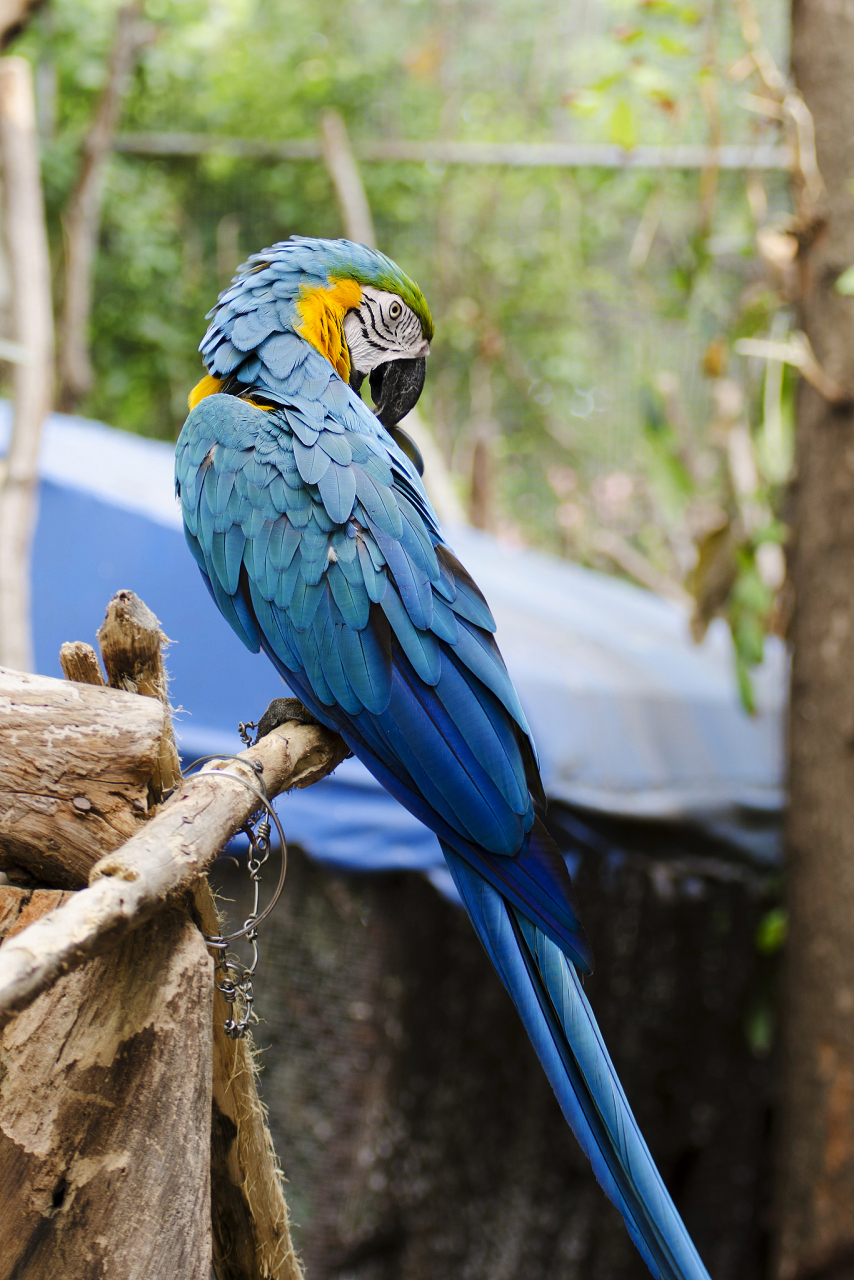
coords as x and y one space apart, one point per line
233 978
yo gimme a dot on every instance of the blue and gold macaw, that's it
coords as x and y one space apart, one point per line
306 514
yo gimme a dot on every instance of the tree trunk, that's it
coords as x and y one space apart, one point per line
26 238
815 1211
83 217
344 172
105 1112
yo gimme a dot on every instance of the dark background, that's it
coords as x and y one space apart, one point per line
413 1121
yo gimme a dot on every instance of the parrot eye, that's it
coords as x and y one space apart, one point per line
395 311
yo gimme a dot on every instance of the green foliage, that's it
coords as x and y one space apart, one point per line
771 934
573 309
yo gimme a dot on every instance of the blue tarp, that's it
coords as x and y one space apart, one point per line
630 717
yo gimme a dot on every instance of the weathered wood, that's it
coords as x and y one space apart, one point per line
26 238
75 764
105 1107
164 858
251 1238
251 1235
132 648
79 662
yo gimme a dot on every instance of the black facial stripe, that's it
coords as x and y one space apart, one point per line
378 320
384 343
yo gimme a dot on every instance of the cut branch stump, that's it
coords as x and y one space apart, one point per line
70 969
105 1106
75 768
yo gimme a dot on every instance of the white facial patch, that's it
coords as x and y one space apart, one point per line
383 328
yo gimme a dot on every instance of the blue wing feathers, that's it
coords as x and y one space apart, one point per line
317 541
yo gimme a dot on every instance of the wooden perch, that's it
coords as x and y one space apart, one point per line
56 955
105 1106
75 765
163 859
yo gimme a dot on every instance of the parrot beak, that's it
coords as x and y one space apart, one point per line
395 387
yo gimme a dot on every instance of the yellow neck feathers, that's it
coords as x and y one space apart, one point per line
322 313
207 387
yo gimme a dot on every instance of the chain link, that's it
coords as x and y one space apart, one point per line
233 978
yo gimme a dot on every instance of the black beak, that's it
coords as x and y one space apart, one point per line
395 388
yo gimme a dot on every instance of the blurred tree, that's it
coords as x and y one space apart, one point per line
816 1195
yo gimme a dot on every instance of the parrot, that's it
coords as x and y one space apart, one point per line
306 513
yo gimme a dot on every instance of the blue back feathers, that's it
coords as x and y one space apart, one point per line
317 540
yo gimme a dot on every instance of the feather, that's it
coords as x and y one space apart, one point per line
350 597
337 487
420 647
304 601
379 503
337 448
375 580
366 660
312 462
411 581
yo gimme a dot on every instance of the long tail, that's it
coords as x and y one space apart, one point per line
547 992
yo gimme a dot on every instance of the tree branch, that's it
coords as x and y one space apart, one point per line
162 860
83 216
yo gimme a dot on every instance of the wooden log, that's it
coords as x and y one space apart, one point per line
251 1232
163 859
132 648
105 1108
75 765
249 1216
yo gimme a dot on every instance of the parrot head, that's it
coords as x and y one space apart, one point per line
352 304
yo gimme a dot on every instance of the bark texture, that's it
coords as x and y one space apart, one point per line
75 766
815 1212
105 1106
162 860
26 237
132 648
249 1216
251 1235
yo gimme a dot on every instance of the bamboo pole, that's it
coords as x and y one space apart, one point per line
26 237
561 155
344 172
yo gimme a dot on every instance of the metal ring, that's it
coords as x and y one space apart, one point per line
222 942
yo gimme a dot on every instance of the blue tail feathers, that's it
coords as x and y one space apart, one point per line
547 992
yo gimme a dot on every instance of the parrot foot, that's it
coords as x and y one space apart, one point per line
280 711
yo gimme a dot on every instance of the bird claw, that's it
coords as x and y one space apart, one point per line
280 711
